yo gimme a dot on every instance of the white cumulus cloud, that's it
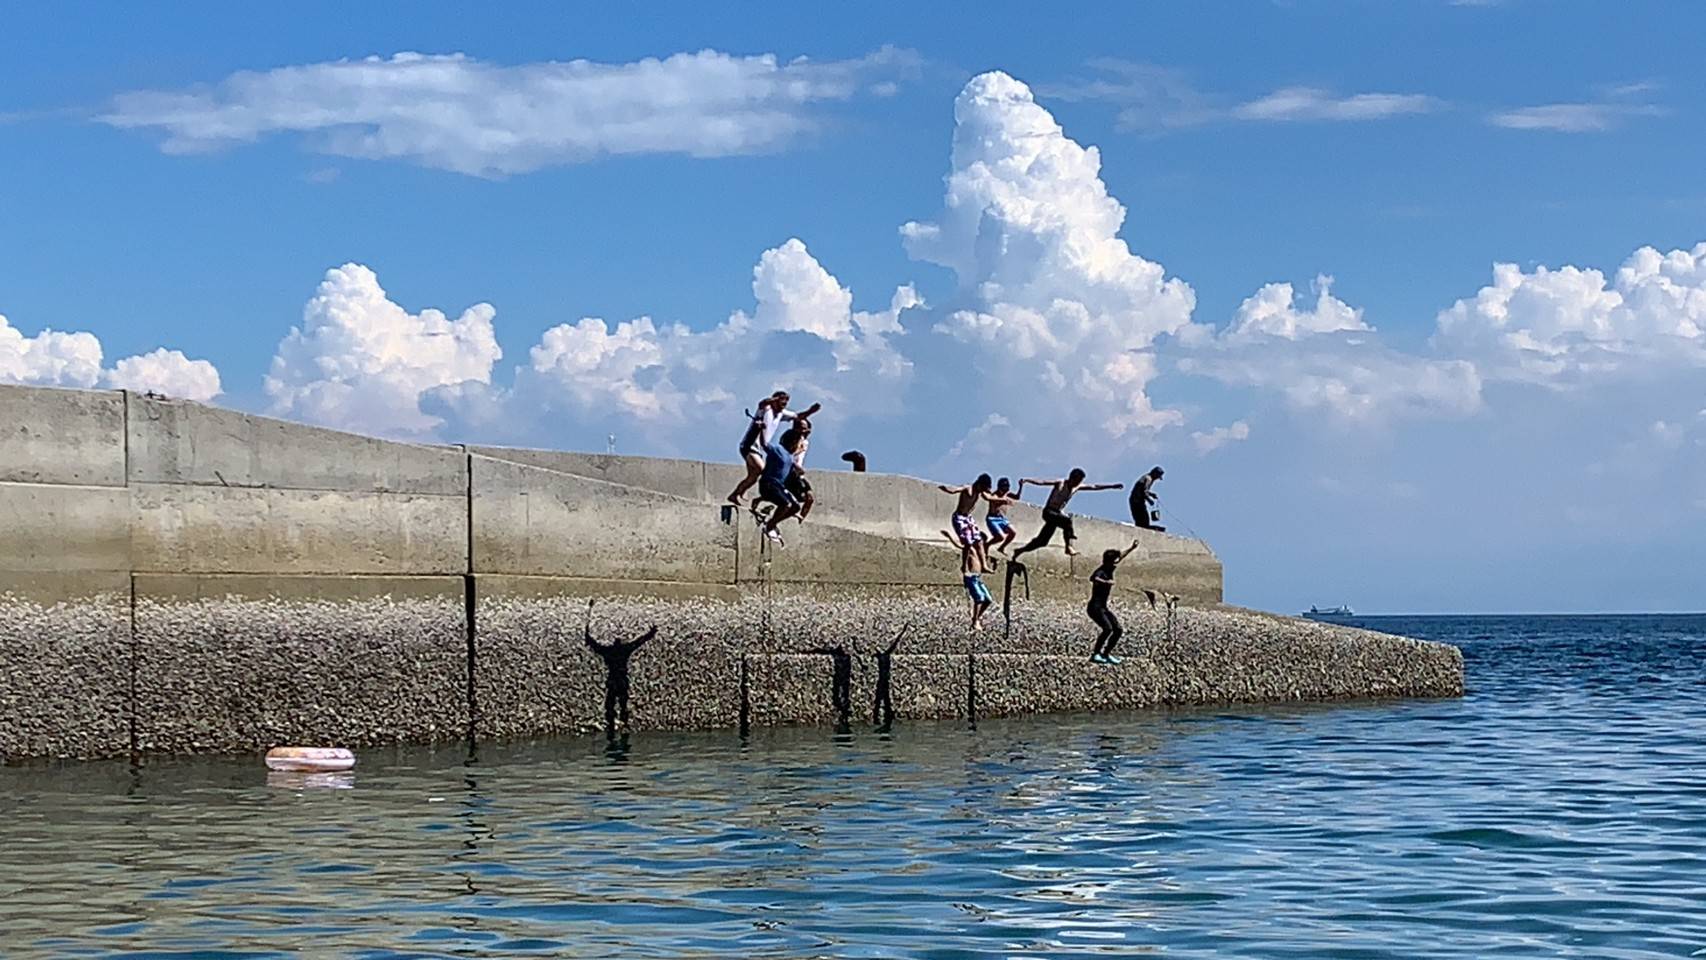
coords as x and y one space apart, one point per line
55 359
361 362
49 358
459 113
1274 312
1568 325
803 334
1055 304
168 372
1326 359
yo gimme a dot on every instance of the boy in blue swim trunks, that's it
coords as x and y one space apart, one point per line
971 574
1001 532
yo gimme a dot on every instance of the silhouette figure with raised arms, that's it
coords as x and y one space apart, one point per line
615 656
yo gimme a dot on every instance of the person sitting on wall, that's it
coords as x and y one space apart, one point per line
760 429
1054 510
798 485
1143 500
1000 531
971 573
1101 587
773 483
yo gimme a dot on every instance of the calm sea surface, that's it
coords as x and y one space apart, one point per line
1559 810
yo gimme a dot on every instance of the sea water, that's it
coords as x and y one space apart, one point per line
1557 810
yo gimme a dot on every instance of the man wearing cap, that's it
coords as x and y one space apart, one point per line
1142 497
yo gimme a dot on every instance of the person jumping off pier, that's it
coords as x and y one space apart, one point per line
773 483
964 523
971 573
1054 510
1143 500
1101 587
1001 532
760 430
798 485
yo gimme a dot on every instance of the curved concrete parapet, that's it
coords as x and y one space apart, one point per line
179 578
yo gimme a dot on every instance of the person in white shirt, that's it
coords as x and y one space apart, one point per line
772 410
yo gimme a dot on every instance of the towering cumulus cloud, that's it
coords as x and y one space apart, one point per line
361 362
1054 306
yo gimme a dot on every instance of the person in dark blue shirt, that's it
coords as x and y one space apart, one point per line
773 482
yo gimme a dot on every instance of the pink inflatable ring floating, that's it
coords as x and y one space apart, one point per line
310 759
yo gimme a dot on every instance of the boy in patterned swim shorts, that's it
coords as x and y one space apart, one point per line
966 533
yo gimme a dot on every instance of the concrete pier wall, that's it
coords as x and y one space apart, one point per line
181 578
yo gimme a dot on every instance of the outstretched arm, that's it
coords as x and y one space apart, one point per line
807 412
643 639
947 489
1129 550
896 641
590 643
1102 486
1039 483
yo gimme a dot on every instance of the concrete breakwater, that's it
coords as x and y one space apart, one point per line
181 578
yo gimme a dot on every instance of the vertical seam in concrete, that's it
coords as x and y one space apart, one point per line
135 652
130 685
124 427
470 601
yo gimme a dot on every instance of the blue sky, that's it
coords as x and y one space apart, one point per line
175 187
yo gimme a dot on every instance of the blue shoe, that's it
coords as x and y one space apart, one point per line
1098 658
1110 658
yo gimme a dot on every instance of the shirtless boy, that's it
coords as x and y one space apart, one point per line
965 525
1054 510
1000 531
971 572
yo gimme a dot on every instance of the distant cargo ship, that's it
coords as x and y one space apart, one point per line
1331 613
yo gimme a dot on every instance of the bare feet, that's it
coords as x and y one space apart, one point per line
1071 552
